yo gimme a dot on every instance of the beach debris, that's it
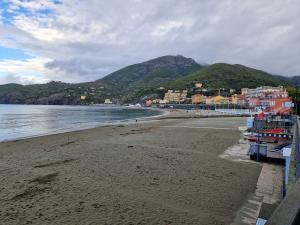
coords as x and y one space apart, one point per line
68 143
97 205
45 178
30 192
128 133
54 163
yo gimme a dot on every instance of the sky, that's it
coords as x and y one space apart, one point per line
84 40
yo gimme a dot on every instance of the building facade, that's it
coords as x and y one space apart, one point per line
176 96
265 92
217 100
198 99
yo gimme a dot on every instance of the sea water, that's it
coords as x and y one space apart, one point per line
21 121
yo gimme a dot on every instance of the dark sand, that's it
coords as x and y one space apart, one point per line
162 172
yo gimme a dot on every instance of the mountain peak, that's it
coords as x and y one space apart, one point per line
143 79
158 70
177 59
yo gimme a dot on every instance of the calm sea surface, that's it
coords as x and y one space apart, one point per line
20 121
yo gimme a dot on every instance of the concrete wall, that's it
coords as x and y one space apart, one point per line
287 212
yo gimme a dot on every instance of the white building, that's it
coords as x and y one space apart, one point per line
107 101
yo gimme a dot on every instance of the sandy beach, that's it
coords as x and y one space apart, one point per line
159 172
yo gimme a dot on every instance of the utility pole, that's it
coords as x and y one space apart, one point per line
296 100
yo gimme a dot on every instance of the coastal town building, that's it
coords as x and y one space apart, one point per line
264 92
272 105
183 96
274 100
107 101
234 99
271 100
149 102
237 99
209 100
156 101
176 96
162 101
198 85
217 100
198 99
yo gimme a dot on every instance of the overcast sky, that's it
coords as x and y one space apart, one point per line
84 40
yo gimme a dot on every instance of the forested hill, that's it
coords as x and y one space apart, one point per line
139 81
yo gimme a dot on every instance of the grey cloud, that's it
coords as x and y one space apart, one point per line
9 78
103 36
14 78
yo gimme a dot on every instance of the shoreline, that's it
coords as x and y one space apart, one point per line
166 114
145 173
68 130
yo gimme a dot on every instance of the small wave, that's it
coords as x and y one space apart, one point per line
66 120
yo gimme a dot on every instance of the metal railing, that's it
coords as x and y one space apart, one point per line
288 212
297 146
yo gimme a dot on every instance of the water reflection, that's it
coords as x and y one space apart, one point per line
19 121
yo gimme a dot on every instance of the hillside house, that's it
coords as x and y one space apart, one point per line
176 96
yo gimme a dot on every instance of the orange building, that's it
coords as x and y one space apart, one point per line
273 105
198 99
282 105
217 100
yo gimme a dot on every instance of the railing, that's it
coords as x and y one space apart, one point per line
235 111
288 212
297 146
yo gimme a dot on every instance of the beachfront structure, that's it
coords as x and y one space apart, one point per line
264 92
272 105
274 100
149 102
217 100
237 99
176 96
162 101
107 101
82 97
209 100
156 101
198 99
271 134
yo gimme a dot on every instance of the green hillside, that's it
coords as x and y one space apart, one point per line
295 80
228 76
54 93
127 82
141 81
122 86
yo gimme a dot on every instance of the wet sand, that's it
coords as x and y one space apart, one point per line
161 172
